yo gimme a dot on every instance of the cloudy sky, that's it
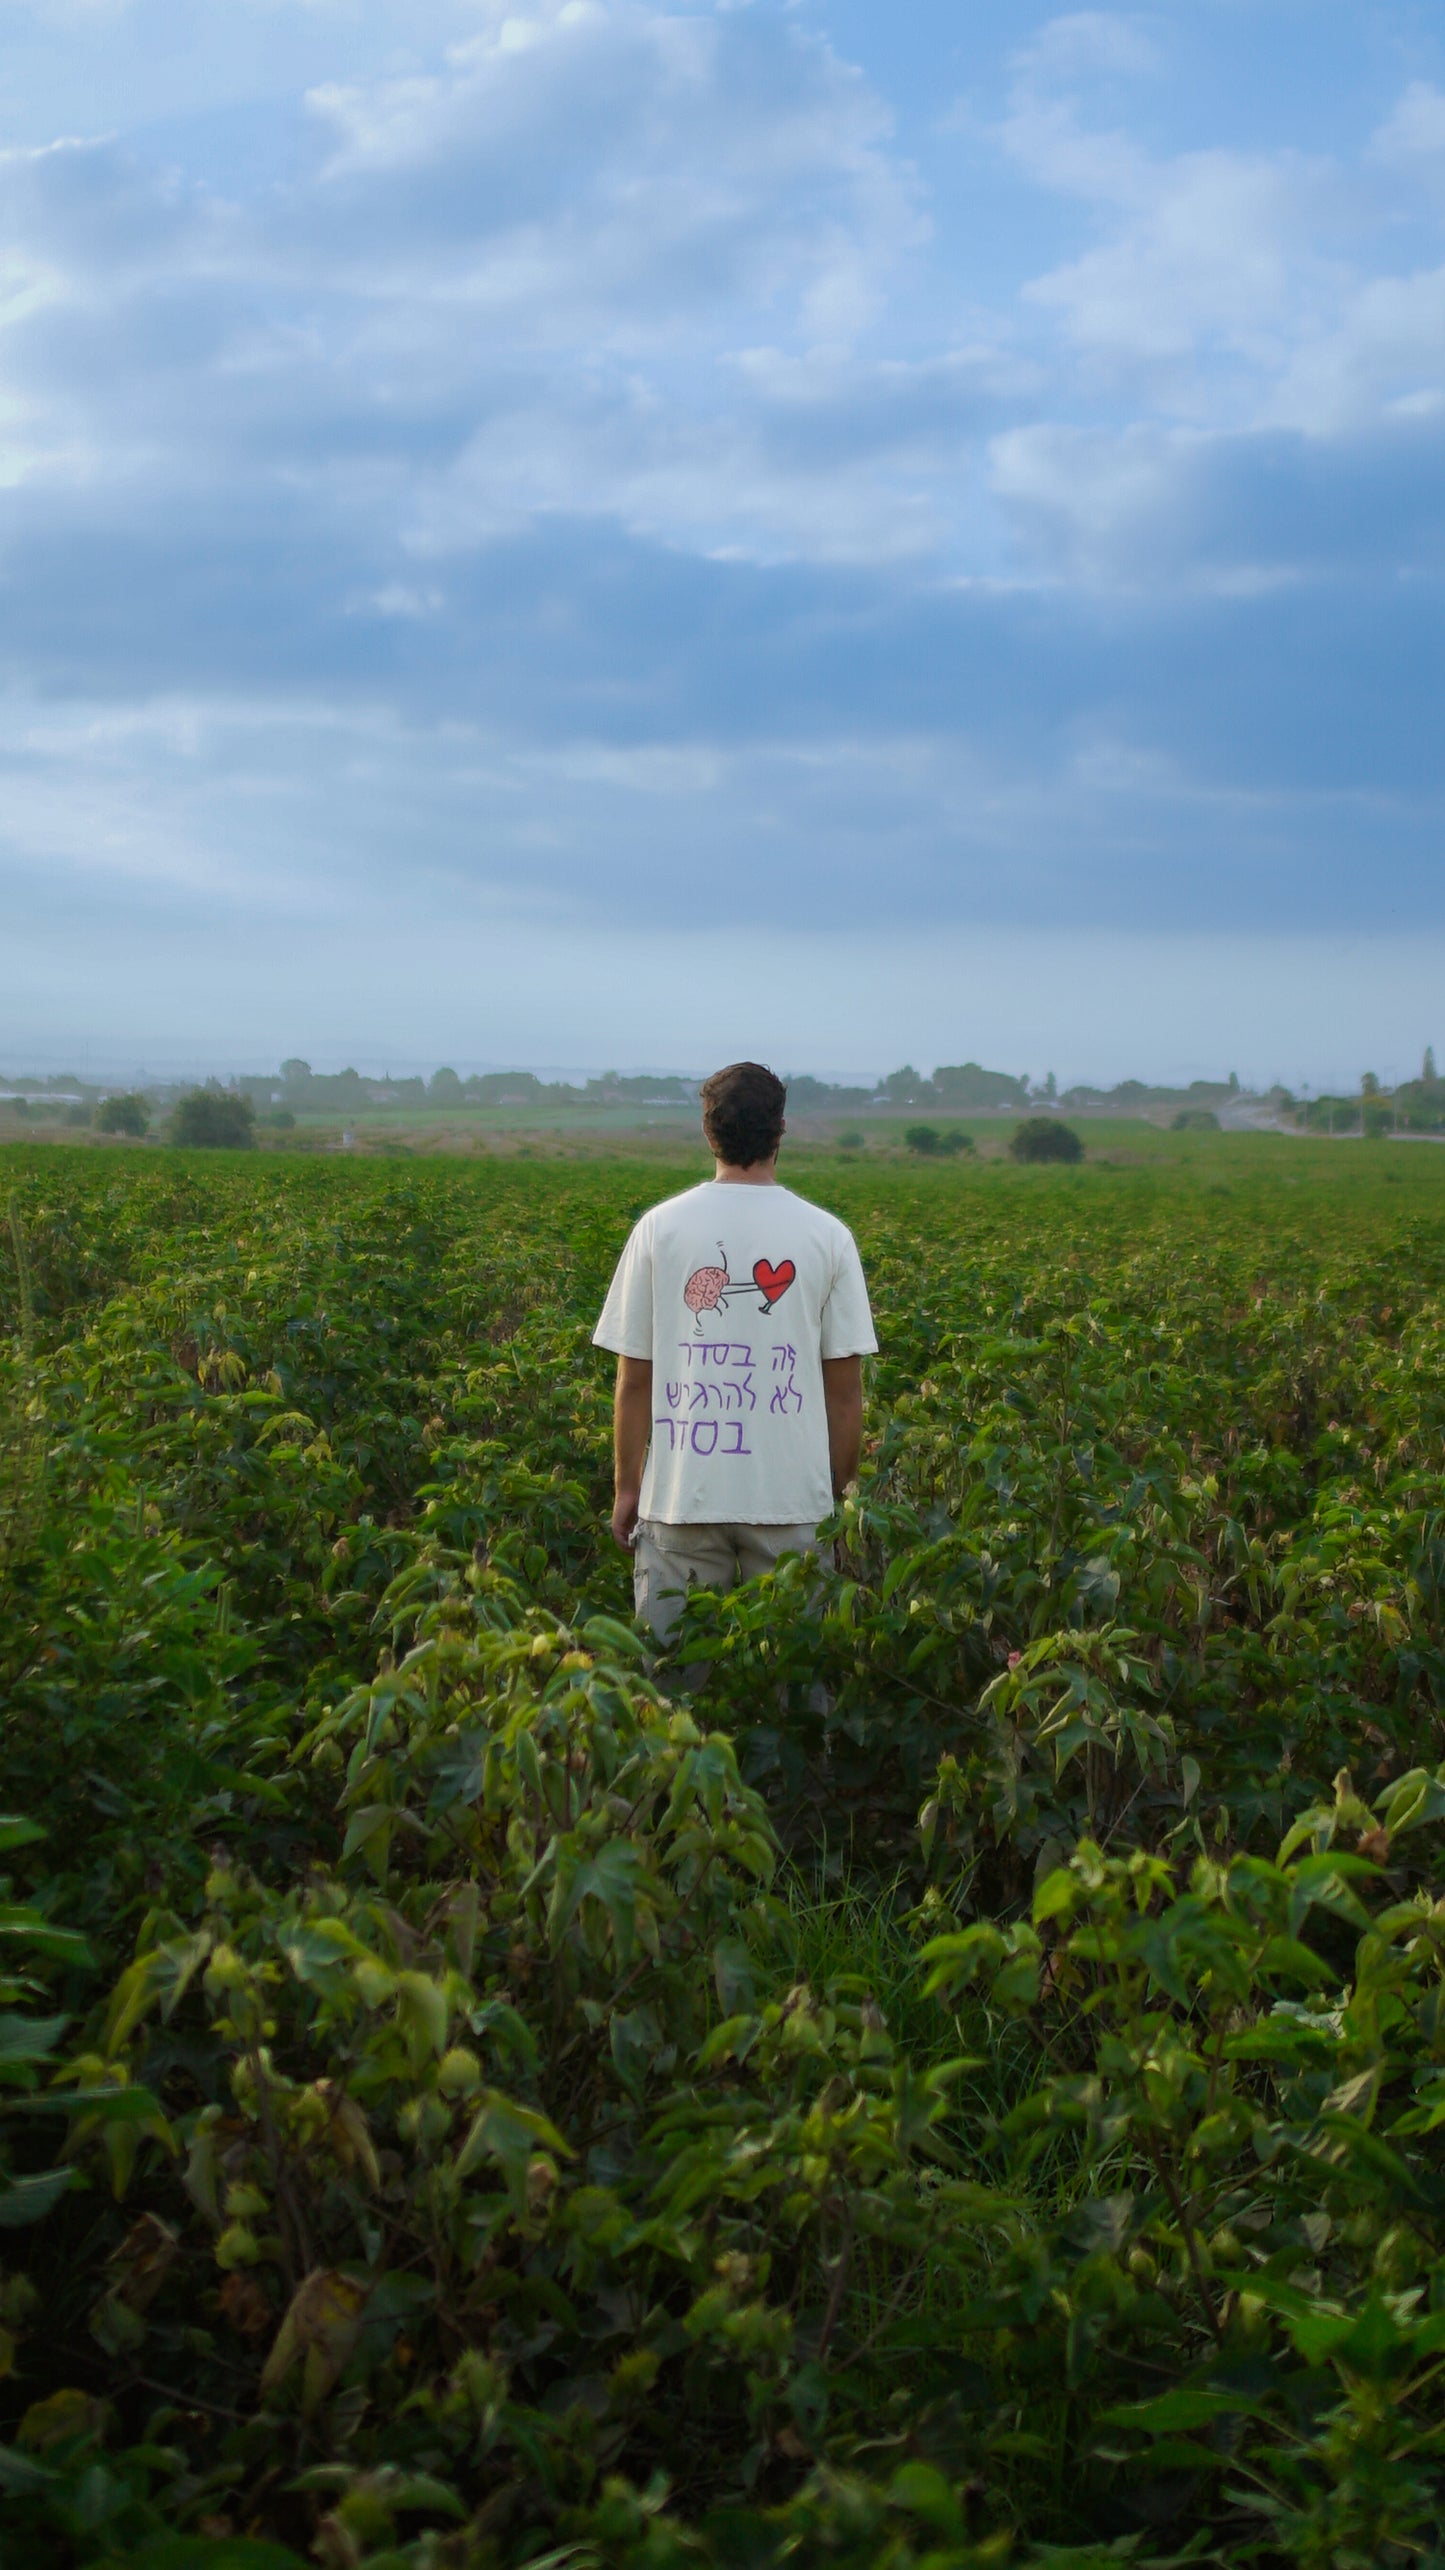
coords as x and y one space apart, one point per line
587 531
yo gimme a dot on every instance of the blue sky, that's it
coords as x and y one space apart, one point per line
584 531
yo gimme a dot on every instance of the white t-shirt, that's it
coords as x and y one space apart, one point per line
737 1294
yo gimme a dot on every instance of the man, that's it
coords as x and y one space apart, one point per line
739 1319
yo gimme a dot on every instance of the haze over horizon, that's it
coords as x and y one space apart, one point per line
597 531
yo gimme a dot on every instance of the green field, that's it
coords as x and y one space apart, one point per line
959 2081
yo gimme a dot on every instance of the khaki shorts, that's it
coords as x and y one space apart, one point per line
669 1560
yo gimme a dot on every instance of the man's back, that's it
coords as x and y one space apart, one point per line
736 1295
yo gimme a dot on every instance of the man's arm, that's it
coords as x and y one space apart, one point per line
631 1431
843 1401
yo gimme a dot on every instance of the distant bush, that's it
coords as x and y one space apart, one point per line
126 1112
1194 1120
850 1141
76 1115
281 1120
1039 1138
927 1139
214 1118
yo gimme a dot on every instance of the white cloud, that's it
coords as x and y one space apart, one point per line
1091 499
1217 255
1088 41
1383 353
1230 289
1211 263
528 280
622 167
1415 130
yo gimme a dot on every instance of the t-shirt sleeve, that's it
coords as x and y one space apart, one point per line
626 1323
847 1321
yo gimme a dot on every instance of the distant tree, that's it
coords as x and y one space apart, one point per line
1051 1087
1418 1106
1039 1138
504 1088
126 1112
968 1084
1327 1114
1427 1069
641 1088
804 1092
214 1118
1369 1085
445 1090
904 1088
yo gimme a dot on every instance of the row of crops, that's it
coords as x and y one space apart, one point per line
949 2069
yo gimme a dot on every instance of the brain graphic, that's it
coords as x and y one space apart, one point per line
703 1290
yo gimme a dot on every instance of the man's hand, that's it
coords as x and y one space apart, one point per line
631 1431
843 1401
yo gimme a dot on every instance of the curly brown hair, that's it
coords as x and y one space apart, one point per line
742 1113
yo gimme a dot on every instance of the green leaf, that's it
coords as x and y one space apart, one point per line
21 2477
1326 1879
107 2105
28 2199
508 2134
733 2040
1059 1893
1286 1957
924 2492
60 1945
1187 2406
29 2038
604 1633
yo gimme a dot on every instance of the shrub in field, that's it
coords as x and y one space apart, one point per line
126 1112
1194 1120
210 1117
928 1142
500 2156
1039 1137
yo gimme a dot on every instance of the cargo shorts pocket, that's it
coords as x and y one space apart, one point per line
669 1539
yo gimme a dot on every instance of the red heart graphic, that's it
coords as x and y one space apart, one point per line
771 1281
